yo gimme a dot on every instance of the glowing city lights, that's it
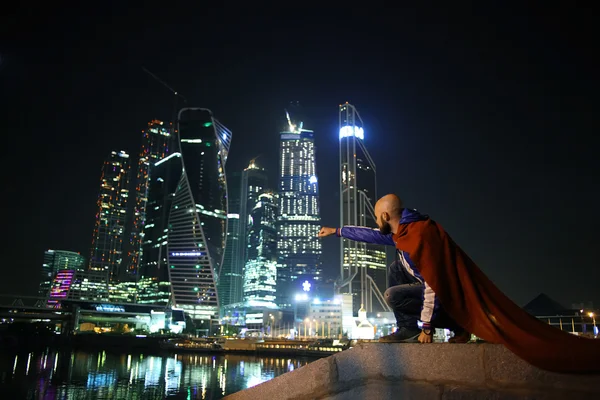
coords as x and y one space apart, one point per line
301 297
306 286
187 254
349 131
109 308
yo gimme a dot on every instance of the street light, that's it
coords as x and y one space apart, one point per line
591 314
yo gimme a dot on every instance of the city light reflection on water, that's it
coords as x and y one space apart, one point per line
102 375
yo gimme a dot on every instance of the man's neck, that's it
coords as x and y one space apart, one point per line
394 224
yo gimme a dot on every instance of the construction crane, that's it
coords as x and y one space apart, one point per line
252 163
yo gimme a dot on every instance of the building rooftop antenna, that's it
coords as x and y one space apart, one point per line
252 164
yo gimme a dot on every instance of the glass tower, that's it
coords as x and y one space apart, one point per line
254 183
260 271
299 219
165 174
107 240
155 146
363 266
197 224
230 280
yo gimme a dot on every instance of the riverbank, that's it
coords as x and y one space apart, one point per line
39 340
171 344
309 348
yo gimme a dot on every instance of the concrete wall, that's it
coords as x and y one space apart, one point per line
413 371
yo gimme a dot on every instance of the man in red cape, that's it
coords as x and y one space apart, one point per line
473 301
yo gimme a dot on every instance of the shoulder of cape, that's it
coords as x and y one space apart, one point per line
418 226
417 229
420 239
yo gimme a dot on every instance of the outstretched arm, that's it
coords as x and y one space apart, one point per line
359 234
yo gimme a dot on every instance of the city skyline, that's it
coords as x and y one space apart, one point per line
155 221
252 166
482 121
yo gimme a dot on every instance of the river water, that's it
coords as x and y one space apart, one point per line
103 375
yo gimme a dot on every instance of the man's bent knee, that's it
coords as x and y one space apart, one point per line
388 297
403 294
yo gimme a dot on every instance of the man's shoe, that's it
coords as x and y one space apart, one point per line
460 336
402 335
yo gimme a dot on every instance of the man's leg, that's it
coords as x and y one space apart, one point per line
406 301
398 275
404 295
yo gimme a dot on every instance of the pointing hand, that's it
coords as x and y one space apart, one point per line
325 231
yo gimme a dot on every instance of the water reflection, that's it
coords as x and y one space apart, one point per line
101 375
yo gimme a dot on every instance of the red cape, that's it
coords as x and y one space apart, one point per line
480 307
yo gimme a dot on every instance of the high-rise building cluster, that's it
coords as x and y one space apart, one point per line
226 247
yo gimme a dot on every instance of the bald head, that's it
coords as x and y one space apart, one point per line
388 211
391 204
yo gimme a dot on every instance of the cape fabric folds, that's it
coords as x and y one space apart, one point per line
479 306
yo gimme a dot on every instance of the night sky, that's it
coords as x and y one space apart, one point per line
484 119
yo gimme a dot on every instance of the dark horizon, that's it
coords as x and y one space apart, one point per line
482 119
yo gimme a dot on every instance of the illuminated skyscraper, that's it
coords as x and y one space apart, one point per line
165 175
363 266
254 183
107 240
299 219
260 271
197 225
155 146
54 261
230 280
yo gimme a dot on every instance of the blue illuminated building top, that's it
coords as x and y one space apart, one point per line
349 131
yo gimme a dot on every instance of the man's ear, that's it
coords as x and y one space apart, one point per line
385 216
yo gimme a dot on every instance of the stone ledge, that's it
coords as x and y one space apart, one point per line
436 371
